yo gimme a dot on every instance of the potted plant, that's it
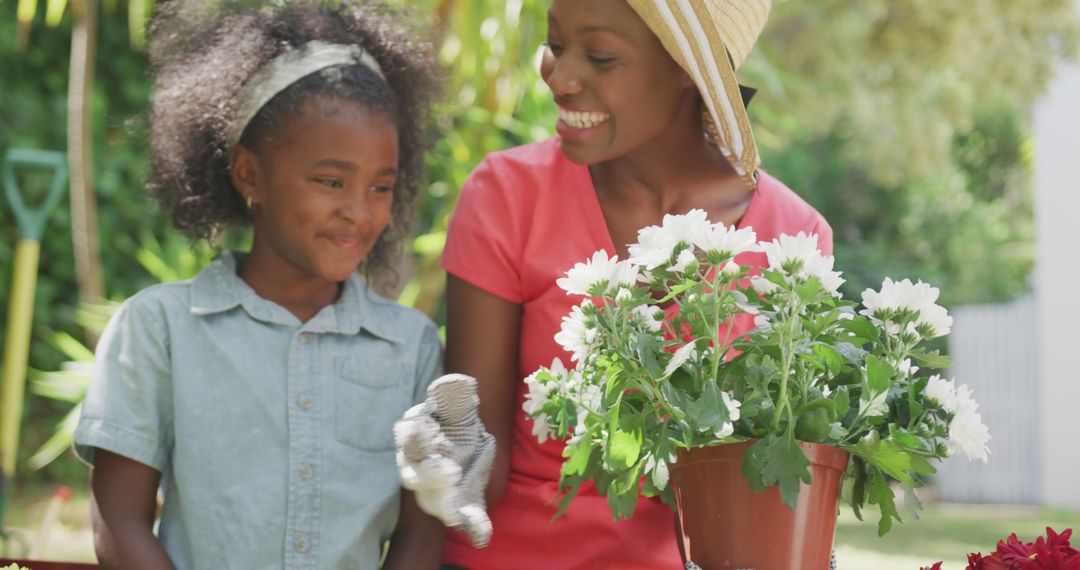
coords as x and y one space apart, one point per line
755 428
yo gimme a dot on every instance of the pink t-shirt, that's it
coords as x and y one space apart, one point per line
525 217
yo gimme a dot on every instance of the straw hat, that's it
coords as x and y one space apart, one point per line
710 39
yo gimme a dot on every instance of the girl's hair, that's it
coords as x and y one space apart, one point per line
202 58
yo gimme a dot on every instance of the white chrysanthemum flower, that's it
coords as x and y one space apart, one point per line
905 295
821 266
685 258
661 475
623 295
652 315
725 431
762 323
787 249
942 391
763 285
937 318
575 335
731 268
542 430
826 391
686 352
724 240
967 433
600 269
732 405
907 369
656 244
653 248
683 227
876 407
537 396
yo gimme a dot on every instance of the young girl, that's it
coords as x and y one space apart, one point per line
260 396
651 122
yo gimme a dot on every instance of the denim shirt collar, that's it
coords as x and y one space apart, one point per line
218 289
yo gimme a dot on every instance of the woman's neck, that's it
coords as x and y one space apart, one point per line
671 169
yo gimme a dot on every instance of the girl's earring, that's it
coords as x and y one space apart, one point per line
248 201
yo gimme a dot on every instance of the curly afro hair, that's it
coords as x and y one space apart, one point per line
202 57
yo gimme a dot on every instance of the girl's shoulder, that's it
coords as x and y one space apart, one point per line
395 319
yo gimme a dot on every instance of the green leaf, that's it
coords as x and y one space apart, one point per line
886 455
833 359
934 360
878 374
863 329
577 458
814 424
622 504
709 412
624 448
851 353
842 398
810 290
647 347
879 493
785 466
911 501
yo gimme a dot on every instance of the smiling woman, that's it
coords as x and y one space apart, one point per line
650 123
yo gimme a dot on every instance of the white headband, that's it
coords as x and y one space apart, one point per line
290 67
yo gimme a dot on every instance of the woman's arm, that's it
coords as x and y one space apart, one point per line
123 501
418 538
482 334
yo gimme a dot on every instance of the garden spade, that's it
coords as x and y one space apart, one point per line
31 222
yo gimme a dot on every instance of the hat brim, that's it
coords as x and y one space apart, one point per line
688 32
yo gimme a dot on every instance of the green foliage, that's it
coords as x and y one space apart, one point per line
875 112
32 114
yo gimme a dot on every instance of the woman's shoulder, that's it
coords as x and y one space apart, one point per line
523 168
783 208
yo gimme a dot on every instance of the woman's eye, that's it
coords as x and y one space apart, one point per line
330 182
382 189
601 59
555 48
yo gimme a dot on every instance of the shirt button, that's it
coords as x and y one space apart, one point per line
304 337
304 402
305 472
301 545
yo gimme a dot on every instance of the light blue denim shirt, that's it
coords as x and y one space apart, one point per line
274 437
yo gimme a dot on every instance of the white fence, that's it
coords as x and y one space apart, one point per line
993 349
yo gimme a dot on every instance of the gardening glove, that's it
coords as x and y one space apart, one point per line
444 456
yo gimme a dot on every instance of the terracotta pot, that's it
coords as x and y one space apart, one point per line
726 525
41 565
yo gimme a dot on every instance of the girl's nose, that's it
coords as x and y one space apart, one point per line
356 210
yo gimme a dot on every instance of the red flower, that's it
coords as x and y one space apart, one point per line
1050 553
936 566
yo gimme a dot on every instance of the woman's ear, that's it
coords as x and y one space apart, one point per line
244 173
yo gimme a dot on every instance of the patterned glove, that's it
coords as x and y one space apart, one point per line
444 456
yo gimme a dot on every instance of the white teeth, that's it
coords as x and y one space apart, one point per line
582 119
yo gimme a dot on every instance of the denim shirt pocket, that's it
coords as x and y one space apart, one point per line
370 394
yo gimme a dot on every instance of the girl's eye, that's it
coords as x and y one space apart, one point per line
382 189
601 59
330 182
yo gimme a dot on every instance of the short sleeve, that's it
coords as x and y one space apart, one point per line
483 244
825 236
127 409
429 364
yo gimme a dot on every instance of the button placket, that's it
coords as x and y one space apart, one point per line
304 450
